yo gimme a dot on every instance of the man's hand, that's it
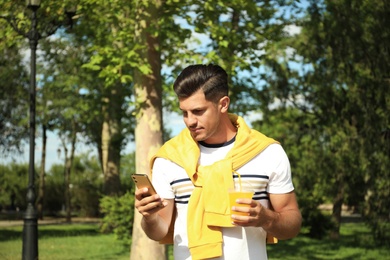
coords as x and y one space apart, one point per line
148 205
254 211
283 221
156 211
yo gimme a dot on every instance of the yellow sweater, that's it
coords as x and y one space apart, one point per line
208 207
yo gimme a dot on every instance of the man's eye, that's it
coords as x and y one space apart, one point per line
197 112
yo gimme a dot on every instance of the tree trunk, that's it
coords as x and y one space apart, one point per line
68 172
112 140
66 181
41 193
148 131
337 208
67 190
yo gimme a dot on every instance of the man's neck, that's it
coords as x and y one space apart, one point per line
219 144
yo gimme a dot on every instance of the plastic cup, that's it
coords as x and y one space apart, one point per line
234 195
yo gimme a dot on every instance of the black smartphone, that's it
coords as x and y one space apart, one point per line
142 181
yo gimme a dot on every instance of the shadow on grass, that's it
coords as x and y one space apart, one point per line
78 230
9 234
303 247
47 231
355 242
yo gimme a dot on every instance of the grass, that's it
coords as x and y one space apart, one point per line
65 241
356 242
83 241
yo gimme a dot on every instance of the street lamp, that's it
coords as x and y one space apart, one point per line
30 227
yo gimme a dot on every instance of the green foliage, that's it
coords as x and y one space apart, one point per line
86 188
85 199
342 81
127 168
118 216
317 222
13 186
14 98
245 37
54 190
296 131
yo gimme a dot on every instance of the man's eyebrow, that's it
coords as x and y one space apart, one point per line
193 109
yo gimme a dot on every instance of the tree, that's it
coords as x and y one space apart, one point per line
148 131
13 183
343 48
297 132
245 39
106 31
13 93
61 107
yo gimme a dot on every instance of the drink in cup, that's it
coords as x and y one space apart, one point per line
237 194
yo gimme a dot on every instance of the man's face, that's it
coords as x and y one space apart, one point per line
201 117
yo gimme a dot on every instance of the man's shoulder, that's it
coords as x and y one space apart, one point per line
272 154
273 150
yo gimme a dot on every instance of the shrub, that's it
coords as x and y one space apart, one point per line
118 216
85 199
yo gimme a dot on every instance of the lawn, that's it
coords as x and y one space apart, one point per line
356 242
65 241
83 241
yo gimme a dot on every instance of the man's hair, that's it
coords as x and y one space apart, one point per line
212 79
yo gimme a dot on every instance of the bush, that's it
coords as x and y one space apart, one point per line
54 197
317 223
118 216
85 199
13 186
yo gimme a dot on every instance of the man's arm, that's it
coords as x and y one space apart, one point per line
283 221
157 213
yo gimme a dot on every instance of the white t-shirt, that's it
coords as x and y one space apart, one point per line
268 172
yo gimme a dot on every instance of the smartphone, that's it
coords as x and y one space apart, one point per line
142 181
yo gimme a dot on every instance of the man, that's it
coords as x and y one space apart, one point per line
193 172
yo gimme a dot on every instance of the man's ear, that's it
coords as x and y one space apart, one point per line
224 104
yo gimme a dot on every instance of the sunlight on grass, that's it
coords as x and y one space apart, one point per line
356 242
84 241
77 241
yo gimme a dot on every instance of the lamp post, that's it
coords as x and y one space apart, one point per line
30 226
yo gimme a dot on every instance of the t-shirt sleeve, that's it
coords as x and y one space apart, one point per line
160 178
279 169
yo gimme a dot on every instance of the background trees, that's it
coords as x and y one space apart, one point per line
346 45
315 72
13 102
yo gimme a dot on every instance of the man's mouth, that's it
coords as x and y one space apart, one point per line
195 129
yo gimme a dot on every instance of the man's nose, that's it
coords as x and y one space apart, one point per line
191 120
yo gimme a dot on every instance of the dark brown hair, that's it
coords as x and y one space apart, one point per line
212 79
